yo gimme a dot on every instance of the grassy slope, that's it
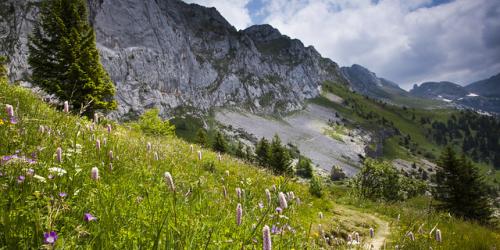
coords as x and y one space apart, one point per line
131 201
134 206
402 119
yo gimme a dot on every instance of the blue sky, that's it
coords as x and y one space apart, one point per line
407 41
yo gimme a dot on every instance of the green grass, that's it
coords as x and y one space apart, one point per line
419 217
134 206
131 201
407 120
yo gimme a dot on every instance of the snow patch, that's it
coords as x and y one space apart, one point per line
472 95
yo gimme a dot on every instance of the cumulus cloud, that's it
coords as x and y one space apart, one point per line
234 11
407 41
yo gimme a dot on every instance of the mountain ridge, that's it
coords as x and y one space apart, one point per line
169 54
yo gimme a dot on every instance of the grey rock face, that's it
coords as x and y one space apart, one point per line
166 54
367 83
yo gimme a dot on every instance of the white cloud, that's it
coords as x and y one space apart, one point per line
234 11
404 41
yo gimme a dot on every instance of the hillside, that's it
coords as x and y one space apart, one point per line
488 87
49 196
482 96
414 134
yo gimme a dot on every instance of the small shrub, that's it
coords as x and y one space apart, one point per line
304 168
151 123
315 186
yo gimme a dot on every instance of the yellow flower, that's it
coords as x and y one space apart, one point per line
1 122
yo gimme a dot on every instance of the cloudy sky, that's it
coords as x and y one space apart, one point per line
407 41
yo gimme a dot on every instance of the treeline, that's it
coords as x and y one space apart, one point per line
459 188
273 154
477 135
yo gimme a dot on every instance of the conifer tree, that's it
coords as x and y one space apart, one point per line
262 152
240 153
220 143
279 157
461 188
64 58
202 137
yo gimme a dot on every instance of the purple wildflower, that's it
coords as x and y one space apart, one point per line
266 238
94 173
275 230
50 238
261 205
268 196
239 213
238 193
279 210
63 194
169 180
372 232
98 144
59 154
13 120
109 128
30 172
9 110
282 200
438 235
51 177
66 107
20 179
89 217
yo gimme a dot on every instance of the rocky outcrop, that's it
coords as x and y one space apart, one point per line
166 54
367 83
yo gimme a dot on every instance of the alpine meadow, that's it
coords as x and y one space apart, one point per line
196 124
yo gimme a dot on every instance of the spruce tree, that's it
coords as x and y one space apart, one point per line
461 188
220 144
64 58
240 153
279 157
262 152
304 168
202 137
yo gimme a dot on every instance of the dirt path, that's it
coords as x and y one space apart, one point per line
360 221
381 234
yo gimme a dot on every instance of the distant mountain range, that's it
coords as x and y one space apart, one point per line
483 95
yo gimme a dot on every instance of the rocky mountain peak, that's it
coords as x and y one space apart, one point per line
169 54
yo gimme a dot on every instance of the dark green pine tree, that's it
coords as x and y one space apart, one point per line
240 152
262 151
64 58
279 157
202 137
461 188
220 143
